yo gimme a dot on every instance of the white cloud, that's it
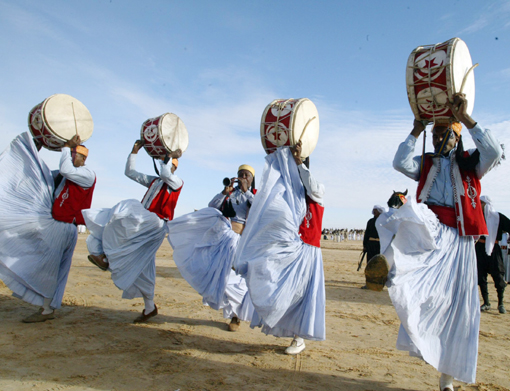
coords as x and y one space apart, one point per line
489 18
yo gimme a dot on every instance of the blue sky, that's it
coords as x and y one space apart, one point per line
218 64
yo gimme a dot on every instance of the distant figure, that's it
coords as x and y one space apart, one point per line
504 252
376 272
371 238
489 255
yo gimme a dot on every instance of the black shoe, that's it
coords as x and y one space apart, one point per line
143 318
485 307
100 261
501 309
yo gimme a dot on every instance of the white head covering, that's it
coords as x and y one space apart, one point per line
492 220
379 208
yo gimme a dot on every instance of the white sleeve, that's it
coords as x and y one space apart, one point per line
314 188
173 181
405 162
217 201
489 148
131 173
82 176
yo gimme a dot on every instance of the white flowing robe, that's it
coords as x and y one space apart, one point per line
433 286
129 235
204 246
35 249
285 276
433 277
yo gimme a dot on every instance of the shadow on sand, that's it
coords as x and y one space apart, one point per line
100 349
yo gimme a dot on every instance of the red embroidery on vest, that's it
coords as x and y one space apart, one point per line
471 192
471 222
165 201
71 201
311 226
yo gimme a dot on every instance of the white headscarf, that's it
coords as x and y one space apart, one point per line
492 220
379 208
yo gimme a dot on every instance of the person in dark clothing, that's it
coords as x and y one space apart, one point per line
371 239
489 256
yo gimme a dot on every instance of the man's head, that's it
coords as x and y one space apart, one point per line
485 200
377 210
246 172
445 136
79 155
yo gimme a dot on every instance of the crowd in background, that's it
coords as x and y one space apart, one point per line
339 235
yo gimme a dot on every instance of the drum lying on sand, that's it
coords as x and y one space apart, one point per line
57 119
163 134
286 121
435 73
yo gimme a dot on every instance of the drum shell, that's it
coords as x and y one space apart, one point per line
290 124
157 134
428 80
41 128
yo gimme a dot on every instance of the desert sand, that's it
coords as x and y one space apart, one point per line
93 344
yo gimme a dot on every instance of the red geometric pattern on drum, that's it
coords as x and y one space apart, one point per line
153 146
43 135
437 79
270 122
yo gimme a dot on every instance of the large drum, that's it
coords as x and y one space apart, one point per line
286 121
434 74
163 134
57 119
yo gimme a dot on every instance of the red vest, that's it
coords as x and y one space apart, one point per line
71 201
468 208
311 227
164 202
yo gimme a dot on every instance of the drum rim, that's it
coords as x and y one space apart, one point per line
292 140
264 114
43 116
160 136
45 127
451 45
179 120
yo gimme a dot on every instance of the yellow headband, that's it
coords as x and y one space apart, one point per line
247 168
455 126
175 162
82 150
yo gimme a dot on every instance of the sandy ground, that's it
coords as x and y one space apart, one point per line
93 344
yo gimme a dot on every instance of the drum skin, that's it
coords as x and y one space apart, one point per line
434 75
164 134
283 122
57 119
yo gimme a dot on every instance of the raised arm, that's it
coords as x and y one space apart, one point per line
489 148
172 180
314 189
82 176
404 160
130 171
